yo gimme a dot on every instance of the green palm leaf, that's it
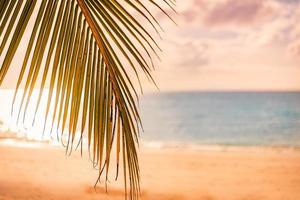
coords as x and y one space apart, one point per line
85 49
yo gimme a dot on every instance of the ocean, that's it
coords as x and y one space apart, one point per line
206 118
222 118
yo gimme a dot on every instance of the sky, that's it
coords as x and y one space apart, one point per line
226 45
231 45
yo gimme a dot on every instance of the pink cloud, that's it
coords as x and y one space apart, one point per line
200 4
190 16
192 10
237 12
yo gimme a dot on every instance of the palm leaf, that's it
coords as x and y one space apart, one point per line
85 50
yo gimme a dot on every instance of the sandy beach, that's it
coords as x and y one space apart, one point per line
167 174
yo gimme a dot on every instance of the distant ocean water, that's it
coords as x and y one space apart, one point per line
203 118
222 118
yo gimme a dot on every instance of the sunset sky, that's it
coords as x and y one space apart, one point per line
232 45
227 45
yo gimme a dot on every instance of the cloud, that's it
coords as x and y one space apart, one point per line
188 55
242 13
194 10
190 16
225 41
289 1
294 48
194 55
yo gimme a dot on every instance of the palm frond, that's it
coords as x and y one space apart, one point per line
85 50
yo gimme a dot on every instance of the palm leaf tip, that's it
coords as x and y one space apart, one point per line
84 49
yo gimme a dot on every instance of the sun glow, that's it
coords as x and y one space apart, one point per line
30 125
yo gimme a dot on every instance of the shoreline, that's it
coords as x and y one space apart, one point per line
31 143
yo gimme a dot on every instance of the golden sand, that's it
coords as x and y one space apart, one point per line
167 174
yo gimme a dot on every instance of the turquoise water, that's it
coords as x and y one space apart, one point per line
222 118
